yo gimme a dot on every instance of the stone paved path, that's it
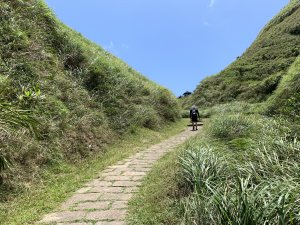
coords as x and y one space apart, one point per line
103 201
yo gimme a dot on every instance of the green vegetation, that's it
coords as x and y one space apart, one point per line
60 181
243 168
286 99
63 99
246 173
255 75
68 107
12 117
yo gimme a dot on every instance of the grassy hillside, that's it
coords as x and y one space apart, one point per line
242 169
286 99
255 75
62 97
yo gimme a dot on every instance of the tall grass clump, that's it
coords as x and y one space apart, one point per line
12 118
200 166
230 126
248 203
241 202
280 158
248 175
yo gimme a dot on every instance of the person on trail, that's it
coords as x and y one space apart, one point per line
194 115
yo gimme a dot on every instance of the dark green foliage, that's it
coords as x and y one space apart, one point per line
255 75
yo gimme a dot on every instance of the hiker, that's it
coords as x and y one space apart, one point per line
194 115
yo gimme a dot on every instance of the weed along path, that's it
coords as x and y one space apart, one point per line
103 201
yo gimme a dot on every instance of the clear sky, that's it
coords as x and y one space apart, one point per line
175 43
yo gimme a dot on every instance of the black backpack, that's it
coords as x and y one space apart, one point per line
194 112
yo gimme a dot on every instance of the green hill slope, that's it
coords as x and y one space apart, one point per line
243 164
286 99
73 95
255 75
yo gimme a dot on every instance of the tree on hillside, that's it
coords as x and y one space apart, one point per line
185 94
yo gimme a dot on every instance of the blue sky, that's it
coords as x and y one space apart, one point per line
175 43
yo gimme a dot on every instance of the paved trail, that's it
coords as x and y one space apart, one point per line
103 201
